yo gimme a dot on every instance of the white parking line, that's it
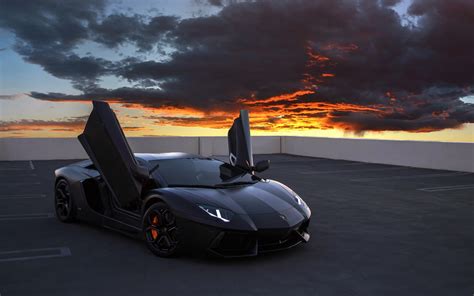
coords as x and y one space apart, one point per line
26 216
21 196
300 162
29 254
29 166
345 164
351 171
19 183
10 174
411 177
448 188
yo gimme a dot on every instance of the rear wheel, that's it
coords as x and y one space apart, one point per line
63 202
160 230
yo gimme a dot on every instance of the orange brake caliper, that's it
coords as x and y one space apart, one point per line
154 232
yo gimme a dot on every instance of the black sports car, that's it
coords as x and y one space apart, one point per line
178 201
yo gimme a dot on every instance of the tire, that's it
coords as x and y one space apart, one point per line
161 231
63 202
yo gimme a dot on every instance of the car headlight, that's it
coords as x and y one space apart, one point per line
221 214
298 199
295 196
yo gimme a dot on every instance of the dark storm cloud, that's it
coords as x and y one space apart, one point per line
48 31
82 71
346 51
49 23
219 2
216 2
124 95
118 29
11 97
435 109
390 2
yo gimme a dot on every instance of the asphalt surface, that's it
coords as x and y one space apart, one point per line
376 230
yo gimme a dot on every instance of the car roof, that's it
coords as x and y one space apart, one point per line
147 157
163 156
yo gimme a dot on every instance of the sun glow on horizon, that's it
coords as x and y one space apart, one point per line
137 121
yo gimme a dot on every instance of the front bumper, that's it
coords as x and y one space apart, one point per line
231 243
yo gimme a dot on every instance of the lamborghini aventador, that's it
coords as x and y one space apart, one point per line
177 201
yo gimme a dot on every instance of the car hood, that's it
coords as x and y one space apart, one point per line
266 204
263 197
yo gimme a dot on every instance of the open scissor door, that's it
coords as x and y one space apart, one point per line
107 147
240 143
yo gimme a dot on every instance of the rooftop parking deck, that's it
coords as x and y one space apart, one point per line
376 230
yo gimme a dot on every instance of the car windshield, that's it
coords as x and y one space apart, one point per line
199 172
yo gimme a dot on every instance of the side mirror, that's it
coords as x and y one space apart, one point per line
225 171
262 165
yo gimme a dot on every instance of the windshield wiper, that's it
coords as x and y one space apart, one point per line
153 169
220 185
191 186
234 184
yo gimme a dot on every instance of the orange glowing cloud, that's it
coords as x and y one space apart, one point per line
283 97
73 125
287 111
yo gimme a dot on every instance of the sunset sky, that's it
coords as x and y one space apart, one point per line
382 69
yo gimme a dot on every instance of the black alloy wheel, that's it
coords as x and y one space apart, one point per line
63 202
160 230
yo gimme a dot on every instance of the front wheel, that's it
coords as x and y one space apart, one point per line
160 230
63 201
